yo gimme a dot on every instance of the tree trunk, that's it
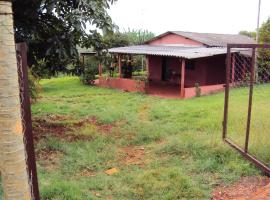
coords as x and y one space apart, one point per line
12 150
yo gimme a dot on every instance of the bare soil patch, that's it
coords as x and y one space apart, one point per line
44 128
104 128
132 156
248 188
54 125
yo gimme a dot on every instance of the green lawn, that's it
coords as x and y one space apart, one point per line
162 148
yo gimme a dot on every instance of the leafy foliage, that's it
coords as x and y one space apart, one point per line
251 34
52 29
34 86
264 32
264 54
90 71
136 37
126 38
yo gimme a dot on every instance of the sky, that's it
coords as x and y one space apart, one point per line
206 16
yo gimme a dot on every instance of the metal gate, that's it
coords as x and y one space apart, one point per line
21 51
246 124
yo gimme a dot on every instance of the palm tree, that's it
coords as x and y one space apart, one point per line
12 149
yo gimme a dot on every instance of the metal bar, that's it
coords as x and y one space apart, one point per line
250 99
243 151
26 109
226 100
249 157
233 69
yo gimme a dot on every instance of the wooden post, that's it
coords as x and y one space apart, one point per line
120 65
147 66
233 68
100 69
129 65
83 59
182 84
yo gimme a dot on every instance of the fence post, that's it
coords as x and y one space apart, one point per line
21 49
225 118
252 78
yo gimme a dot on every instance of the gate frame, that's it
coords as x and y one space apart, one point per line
21 50
245 153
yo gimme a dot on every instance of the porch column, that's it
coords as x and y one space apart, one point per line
233 68
147 66
83 59
120 65
100 69
182 86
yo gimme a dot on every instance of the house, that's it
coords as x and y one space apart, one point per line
177 63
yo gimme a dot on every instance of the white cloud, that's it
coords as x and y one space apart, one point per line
217 16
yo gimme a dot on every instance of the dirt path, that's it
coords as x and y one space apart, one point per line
248 188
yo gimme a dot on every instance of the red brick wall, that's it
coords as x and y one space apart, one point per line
129 85
209 89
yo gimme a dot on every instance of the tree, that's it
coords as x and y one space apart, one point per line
136 37
52 29
116 39
251 34
264 32
263 56
12 149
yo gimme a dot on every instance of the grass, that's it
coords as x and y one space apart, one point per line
260 120
183 154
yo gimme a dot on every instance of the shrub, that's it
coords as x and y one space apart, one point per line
34 86
90 71
40 69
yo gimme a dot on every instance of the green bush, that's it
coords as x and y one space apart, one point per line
90 70
40 69
34 86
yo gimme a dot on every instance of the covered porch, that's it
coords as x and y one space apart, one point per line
171 72
167 86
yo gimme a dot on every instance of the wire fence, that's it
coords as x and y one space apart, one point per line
247 102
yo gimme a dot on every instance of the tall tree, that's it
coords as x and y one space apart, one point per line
137 37
264 32
12 152
263 56
52 29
